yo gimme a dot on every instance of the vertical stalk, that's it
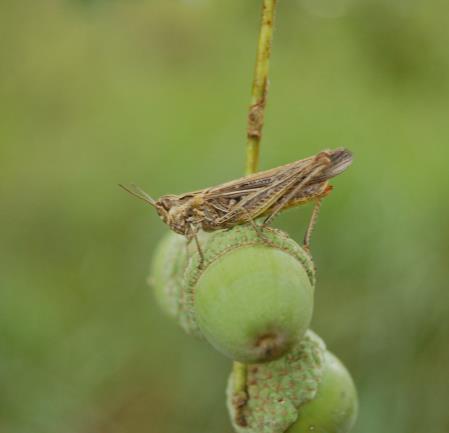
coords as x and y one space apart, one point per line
260 86
254 135
240 397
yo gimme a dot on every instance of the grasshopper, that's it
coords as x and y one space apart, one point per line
240 201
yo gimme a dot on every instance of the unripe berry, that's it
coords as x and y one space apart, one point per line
334 408
275 390
167 271
251 298
307 391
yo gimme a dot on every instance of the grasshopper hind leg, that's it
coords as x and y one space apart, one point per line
312 223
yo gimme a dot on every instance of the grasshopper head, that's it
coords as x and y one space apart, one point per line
168 207
172 212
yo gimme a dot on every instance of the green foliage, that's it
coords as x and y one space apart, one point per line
156 92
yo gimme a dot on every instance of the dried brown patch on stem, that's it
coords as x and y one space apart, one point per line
260 86
239 402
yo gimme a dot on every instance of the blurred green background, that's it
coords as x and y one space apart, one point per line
156 92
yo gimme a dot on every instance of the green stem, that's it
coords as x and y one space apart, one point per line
254 133
240 397
260 86
240 371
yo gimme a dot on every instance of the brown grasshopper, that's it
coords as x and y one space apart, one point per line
263 194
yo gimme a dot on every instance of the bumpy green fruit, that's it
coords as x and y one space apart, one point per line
334 408
275 390
251 298
308 390
167 271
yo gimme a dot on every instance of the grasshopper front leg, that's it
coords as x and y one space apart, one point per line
193 231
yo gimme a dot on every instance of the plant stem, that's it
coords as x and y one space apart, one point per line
240 397
254 133
260 86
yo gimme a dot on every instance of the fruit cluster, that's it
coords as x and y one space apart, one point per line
251 297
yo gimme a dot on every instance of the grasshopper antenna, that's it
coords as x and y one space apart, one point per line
137 192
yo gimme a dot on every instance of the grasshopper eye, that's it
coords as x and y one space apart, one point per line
166 203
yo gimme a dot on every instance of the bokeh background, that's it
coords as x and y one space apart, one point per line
94 93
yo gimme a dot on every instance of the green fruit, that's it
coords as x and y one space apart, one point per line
167 270
334 408
275 390
251 298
